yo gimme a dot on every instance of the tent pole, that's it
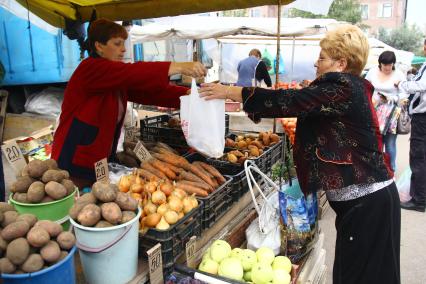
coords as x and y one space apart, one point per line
292 59
277 64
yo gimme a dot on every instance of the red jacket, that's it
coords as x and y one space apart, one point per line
89 126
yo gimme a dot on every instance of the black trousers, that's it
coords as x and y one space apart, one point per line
418 158
368 238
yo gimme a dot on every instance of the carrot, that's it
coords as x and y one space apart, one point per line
172 159
147 175
203 185
185 175
192 189
214 181
161 166
149 167
200 174
213 171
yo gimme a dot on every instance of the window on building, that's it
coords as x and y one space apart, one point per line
255 12
364 11
384 10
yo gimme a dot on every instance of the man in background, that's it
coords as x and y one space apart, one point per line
252 70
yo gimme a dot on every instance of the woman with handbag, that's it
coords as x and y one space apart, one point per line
338 148
386 97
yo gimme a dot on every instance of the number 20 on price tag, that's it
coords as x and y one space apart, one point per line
13 154
101 170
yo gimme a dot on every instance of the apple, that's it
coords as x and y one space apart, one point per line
219 250
262 273
231 268
247 276
248 259
282 262
236 252
208 265
206 255
281 277
266 255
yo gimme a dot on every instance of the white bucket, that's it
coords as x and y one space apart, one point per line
109 255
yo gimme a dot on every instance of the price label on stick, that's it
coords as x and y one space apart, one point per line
129 134
190 252
13 154
101 170
141 152
155 264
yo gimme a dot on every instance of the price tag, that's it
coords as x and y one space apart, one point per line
101 170
141 152
155 264
190 252
129 134
13 154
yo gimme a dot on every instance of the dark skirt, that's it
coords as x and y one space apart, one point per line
368 238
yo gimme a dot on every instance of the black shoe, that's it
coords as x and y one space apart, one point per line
411 205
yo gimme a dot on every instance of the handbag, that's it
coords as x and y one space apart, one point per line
404 121
385 114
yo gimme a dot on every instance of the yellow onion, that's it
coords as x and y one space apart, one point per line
152 220
171 217
162 209
175 204
136 188
151 186
162 225
187 205
149 208
167 188
180 215
124 184
158 197
180 193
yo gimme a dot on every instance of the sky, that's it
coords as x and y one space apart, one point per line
416 13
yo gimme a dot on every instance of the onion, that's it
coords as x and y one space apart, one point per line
167 188
175 204
152 220
138 180
162 209
171 217
180 215
180 193
149 208
124 184
193 200
187 205
162 225
158 197
136 188
151 186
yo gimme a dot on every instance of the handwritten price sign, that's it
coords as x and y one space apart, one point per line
141 152
101 170
13 154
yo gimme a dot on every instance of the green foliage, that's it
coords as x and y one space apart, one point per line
236 13
406 37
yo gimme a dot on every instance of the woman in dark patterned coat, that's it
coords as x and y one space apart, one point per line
338 149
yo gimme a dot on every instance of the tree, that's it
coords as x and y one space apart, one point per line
236 13
406 37
341 10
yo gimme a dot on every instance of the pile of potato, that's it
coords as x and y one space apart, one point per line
28 245
249 146
104 206
41 182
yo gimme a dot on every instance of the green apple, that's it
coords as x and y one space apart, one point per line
282 262
281 277
231 268
247 276
266 255
208 265
220 250
262 273
248 259
236 252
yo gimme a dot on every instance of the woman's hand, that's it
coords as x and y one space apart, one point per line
192 69
211 91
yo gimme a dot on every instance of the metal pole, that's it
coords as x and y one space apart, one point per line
277 64
292 59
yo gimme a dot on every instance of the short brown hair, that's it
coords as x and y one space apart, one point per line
348 42
103 30
256 52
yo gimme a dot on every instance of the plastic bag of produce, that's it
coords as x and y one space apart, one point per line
298 220
203 123
264 231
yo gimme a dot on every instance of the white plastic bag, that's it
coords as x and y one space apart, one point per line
403 185
264 231
203 123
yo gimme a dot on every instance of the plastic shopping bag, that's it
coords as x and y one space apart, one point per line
403 185
264 231
203 123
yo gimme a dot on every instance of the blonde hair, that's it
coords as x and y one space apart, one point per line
350 43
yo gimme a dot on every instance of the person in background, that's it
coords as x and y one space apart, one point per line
96 96
128 55
338 149
417 88
383 77
252 70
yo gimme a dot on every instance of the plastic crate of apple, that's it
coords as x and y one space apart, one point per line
289 125
260 267
249 146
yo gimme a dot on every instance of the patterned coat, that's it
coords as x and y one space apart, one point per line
338 143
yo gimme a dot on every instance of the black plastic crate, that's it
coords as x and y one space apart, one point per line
217 203
174 239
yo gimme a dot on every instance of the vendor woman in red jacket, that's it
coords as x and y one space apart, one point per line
96 97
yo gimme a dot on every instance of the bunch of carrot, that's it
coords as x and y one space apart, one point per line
289 126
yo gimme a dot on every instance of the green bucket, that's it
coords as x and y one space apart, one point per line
55 211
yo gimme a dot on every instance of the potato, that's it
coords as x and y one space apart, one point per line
47 199
36 192
87 198
6 207
274 138
6 266
103 224
65 174
1 217
66 240
89 215
254 151
17 251
3 244
265 139
36 168
31 219
76 209
20 197
21 184
127 216
15 230
63 255
111 212
38 237
55 190
33 263
105 191
9 217
126 202
19 272
24 171
69 186
51 164
53 228
50 252
52 175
